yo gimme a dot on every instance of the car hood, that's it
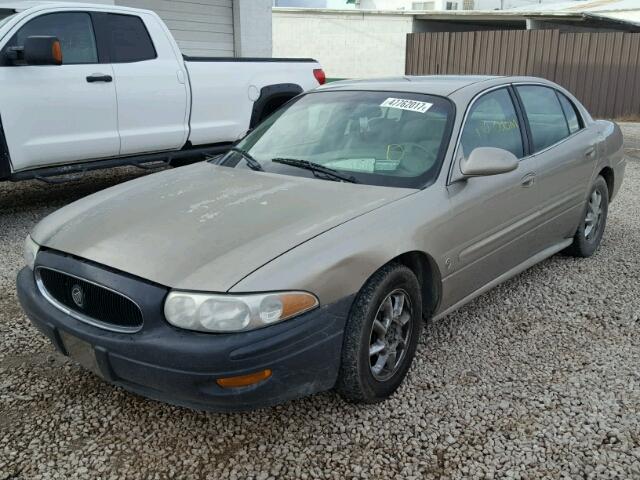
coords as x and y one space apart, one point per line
204 227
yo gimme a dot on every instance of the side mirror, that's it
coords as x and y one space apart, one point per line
42 50
485 161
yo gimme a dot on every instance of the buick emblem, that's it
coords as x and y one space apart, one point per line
77 294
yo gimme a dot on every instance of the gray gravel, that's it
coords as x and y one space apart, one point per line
536 379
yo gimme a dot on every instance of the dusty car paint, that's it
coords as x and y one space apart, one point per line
178 227
207 228
448 222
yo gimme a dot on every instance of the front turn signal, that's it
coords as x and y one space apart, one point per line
244 380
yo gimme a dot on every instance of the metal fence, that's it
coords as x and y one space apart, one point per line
601 69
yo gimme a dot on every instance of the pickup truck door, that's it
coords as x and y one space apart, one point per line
57 114
151 84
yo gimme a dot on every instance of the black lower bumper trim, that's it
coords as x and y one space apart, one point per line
181 367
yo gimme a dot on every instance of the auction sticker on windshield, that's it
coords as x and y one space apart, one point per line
404 104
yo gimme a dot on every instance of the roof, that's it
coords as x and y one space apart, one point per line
20 6
618 11
443 85
583 6
621 10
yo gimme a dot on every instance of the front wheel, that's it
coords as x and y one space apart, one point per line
589 234
381 335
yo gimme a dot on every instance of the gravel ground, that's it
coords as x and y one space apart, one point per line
536 379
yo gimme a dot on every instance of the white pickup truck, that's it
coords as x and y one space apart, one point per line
94 86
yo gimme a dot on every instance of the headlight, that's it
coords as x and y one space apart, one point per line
30 251
234 313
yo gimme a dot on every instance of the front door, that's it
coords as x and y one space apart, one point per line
492 216
56 114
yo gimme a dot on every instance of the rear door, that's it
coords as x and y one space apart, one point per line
492 217
566 154
151 83
55 114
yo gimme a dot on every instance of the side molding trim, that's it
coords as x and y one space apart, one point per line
537 258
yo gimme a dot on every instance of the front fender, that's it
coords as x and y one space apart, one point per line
338 262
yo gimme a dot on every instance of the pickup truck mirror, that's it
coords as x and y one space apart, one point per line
485 161
42 50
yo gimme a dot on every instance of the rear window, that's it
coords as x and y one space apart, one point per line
129 40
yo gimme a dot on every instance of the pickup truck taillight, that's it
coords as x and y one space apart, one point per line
320 76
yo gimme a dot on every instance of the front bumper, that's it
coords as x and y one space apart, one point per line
181 367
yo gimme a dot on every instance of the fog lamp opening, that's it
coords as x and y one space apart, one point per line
244 380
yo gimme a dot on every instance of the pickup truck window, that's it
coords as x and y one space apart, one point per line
129 40
380 138
73 29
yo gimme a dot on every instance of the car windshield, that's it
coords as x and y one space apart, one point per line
377 138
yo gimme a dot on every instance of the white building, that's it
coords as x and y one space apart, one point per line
221 28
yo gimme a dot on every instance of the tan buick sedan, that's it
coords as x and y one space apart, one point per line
308 257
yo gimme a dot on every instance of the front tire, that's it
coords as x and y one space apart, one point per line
381 335
589 234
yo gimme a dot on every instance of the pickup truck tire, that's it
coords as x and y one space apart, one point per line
593 221
358 380
5 160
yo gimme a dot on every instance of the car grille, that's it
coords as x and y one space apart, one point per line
89 302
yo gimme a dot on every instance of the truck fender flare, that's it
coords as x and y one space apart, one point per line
271 98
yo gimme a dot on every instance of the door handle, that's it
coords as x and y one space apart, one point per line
528 180
590 152
97 77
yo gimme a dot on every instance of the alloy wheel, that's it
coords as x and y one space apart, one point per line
390 333
594 213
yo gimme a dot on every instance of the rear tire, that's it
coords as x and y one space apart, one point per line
375 360
594 219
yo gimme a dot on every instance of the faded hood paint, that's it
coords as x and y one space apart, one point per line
204 227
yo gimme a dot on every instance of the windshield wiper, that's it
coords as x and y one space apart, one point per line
252 163
316 168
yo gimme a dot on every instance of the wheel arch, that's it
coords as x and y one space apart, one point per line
271 98
608 175
426 270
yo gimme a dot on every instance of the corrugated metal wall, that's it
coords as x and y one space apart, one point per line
202 27
601 69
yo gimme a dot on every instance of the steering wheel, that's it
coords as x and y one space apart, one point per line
414 164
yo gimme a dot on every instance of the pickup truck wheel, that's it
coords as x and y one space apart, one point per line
381 335
589 234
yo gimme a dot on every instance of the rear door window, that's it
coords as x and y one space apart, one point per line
570 112
493 122
544 113
128 39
